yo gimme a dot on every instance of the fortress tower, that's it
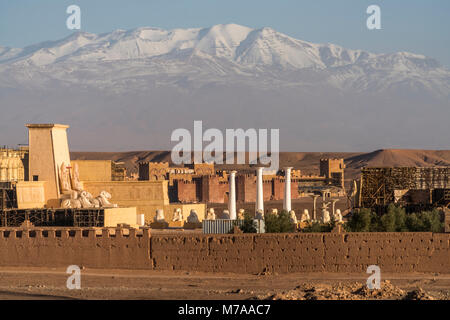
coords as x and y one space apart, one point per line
333 170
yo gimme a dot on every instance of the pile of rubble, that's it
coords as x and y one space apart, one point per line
352 291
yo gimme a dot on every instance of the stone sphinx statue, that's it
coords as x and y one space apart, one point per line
305 216
193 217
338 216
85 199
73 195
211 215
177 215
103 200
293 217
160 216
240 215
326 216
71 204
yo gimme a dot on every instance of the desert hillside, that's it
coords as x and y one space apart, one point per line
306 161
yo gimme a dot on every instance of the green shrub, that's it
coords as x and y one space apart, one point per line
247 226
360 221
319 227
431 221
395 220
278 223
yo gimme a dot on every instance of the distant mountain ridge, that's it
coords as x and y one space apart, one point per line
222 50
129 89
308 162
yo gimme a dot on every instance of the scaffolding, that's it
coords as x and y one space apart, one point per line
53 217
7 196
378 185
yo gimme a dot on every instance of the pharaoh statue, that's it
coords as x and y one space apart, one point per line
241 213
293 217
193 217
326 216
177 215
305 216
64 182
338 216
76 184
159 215
210 215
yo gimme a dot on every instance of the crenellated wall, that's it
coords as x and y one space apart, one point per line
239 253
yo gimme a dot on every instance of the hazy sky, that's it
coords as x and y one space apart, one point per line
420 26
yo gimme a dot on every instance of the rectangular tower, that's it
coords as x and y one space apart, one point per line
49 149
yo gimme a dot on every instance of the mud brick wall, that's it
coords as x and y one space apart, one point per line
187 191
82 247
238 253
352 252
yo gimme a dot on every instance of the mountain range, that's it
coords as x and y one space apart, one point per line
130 89
307 162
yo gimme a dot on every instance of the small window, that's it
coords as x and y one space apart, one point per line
35 178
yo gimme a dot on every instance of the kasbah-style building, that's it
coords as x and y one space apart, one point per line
32 175
202 183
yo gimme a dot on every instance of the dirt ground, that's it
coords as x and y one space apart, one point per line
50 283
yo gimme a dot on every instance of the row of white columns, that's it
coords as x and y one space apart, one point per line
259 192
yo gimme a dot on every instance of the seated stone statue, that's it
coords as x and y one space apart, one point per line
338 216
211 215
76 184
326 216
305 216
293 217
65 185
159 216
240 215
177 215
193 217
259 214
275 211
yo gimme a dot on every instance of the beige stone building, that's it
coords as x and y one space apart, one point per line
12 167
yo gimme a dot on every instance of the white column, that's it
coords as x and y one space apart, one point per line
232 196
287 189
259 189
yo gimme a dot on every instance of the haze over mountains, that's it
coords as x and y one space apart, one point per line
128 90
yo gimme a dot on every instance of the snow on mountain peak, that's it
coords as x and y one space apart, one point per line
233 42
223 49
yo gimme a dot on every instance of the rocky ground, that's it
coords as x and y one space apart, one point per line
355 291
50 283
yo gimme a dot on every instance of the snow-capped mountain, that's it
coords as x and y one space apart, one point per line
213 53
130 89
